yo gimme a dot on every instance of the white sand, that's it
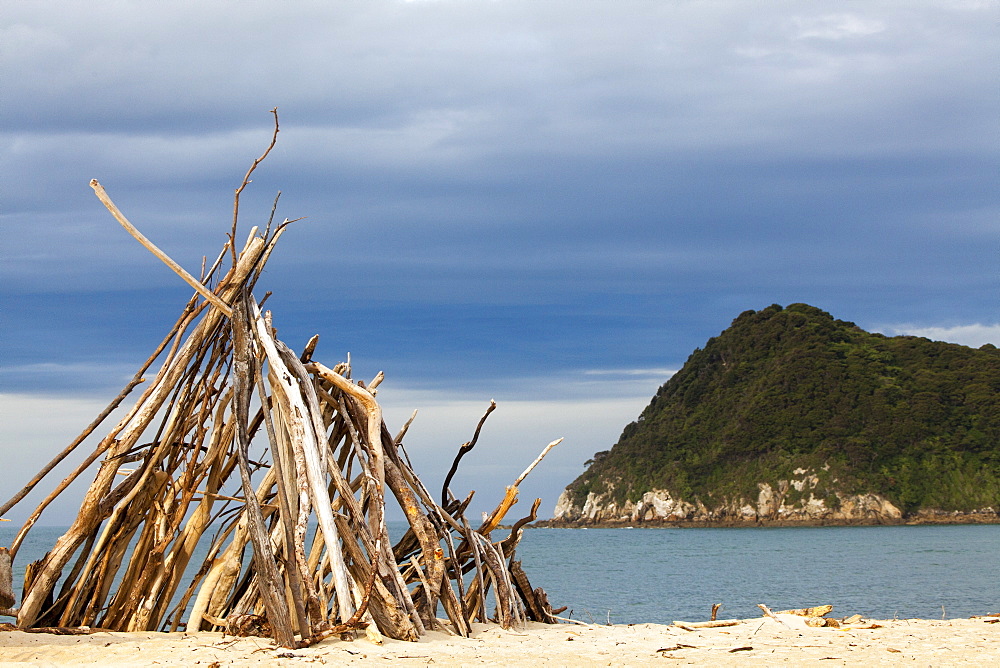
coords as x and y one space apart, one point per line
756 642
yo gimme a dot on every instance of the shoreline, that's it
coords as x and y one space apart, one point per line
923 520
760 641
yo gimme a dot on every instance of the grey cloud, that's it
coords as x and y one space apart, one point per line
684 71
974 335
512 152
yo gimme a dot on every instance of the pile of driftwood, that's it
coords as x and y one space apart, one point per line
273 468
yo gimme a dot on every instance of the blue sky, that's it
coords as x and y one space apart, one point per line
547 203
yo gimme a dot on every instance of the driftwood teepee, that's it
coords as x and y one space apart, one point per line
270 469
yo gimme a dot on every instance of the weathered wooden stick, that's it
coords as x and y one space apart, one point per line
423 579
390 572
309 349
225 569
509 543
398 440
709 625
815 611
314 473
767 612
166 259
494 519
372 409
284 503
422 529
510 496
271 584
567 620
391 616
507 608
378 460
535 608
463 450
453 608
6 579
291 451
246 179
456 574
475 596
538 460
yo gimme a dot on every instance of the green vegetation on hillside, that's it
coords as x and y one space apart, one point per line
915 420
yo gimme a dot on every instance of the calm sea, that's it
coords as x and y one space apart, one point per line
662 575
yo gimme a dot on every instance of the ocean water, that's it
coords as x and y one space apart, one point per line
628 576
662 575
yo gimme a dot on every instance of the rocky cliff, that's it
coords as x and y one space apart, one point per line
772 506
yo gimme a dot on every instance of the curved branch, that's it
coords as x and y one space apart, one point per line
465 448
246 180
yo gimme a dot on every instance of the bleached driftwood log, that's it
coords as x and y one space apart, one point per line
815 611
6 580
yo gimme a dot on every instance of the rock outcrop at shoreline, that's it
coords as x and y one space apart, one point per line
772 506
659 506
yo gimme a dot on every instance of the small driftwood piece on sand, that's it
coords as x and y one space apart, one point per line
817 611
240 447
768 613
820 622
714 624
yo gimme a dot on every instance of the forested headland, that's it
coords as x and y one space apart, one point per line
793 415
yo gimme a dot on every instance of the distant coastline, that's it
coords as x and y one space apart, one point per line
924 518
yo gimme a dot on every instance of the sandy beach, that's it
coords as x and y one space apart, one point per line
762 641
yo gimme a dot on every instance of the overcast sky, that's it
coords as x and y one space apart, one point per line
547 203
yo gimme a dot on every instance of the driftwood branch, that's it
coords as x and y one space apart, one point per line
6 581
269 580
768 613
463 450
246 181
537 461
494 519
151 247
714 624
